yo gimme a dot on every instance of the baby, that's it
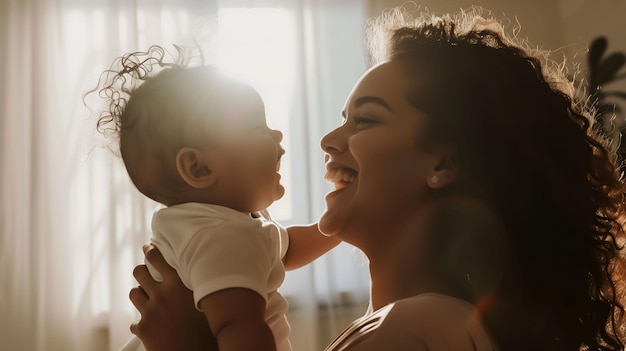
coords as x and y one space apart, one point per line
196 141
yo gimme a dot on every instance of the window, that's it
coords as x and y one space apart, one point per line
258 45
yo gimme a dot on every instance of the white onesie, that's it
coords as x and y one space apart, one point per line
214 247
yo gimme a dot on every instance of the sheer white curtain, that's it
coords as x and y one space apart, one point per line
72 225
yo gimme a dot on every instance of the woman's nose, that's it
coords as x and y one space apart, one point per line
332 141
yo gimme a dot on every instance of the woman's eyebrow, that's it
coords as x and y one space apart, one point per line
369 99
372 99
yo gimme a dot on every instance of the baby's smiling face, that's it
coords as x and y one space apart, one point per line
246 151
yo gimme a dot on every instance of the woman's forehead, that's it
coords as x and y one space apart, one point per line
388 81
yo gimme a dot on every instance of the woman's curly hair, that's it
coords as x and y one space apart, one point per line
528 147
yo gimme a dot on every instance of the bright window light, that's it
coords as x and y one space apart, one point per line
257 45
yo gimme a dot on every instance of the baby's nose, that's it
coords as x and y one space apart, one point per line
277 135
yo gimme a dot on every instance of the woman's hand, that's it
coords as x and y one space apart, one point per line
169 319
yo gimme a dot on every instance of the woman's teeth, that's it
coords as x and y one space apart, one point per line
340 177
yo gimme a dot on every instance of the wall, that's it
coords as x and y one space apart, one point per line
585 20
569 25
540 22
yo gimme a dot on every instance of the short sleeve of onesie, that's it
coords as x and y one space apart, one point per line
213 247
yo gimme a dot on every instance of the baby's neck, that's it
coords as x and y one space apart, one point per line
203 199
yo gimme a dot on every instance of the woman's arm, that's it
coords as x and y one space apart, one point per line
306 243
169 319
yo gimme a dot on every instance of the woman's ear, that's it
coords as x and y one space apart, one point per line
193 166
445 171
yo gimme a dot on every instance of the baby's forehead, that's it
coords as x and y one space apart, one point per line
216 84
230 100
210 87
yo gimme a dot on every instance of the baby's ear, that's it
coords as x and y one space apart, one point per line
193 166
445 170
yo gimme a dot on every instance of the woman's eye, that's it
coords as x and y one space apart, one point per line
360 120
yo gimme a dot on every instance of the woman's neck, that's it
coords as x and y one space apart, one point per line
401 272
402 266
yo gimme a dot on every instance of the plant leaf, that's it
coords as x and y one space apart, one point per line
596 50
609 67
619 94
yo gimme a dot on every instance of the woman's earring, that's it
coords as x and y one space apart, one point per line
434 179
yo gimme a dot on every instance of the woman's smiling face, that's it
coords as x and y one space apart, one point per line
375 158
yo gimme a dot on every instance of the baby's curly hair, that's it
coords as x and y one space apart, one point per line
527 147
119 86
126 74
157 104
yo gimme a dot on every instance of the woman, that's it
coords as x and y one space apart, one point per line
475 181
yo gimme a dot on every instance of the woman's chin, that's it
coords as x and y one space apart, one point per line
326 234
329 225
